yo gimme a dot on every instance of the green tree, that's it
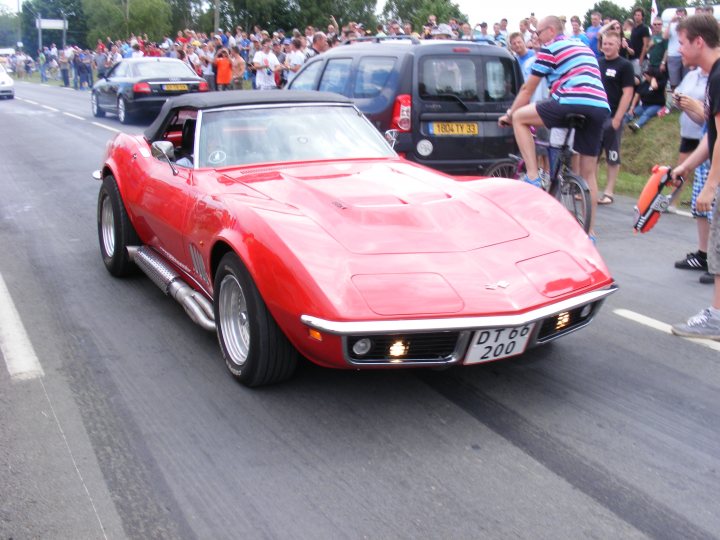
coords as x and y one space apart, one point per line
118 19
9 28
417 11
607 9
72 10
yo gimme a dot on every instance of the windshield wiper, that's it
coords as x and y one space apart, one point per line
453 97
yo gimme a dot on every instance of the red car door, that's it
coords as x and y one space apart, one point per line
162 206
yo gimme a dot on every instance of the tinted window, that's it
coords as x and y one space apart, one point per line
306 79
499 80
372 76
335 76
485 79
163 69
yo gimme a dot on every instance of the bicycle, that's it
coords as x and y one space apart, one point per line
567 187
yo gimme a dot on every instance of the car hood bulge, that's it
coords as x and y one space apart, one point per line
386 208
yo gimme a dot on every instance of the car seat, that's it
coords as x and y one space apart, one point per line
188 138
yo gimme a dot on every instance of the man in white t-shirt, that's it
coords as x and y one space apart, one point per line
673 64
266 64
295 59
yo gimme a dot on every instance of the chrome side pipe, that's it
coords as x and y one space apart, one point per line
198 308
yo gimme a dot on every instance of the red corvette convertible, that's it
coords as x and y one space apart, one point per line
287 224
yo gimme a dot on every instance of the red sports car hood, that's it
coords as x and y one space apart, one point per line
388 207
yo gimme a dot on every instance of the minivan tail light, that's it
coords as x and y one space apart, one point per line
402 113
141 88
461 49
204 87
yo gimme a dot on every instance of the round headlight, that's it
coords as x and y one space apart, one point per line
424 148
362 346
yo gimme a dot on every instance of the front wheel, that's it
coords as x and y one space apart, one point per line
115 231
255 349
574 194
506 168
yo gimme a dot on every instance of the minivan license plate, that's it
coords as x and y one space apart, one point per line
450 129
495 343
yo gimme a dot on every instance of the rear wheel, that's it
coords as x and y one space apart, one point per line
507 168
123 114
574 195
115 231
96 110
254 347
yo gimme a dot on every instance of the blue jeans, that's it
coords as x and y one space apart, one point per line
645 112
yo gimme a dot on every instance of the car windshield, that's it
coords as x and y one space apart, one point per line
162 69
248 136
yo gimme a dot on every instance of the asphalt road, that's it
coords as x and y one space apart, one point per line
136 430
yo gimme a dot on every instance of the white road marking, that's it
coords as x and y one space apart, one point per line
105 127
17 350
31 102
53 109
662 327
71 115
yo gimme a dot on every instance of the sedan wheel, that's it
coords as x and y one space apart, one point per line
115 232
123 115
96 110
255 349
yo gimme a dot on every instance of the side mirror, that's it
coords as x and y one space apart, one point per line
391 136
165 150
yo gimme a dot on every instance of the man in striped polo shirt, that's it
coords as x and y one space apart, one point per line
575 87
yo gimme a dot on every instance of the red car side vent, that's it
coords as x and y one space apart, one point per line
142 88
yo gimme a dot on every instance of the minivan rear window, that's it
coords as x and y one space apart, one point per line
483 79
372 75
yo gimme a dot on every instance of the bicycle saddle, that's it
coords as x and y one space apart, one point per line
575 120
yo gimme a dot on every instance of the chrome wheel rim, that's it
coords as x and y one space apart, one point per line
234 320
107 226
121 110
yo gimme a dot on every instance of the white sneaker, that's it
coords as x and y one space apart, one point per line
703 325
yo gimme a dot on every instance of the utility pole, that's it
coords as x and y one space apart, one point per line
217 16
64 29
39 25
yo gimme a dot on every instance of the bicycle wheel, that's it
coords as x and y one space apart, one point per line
506 168
574 195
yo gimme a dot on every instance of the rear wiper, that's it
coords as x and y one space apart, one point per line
453 97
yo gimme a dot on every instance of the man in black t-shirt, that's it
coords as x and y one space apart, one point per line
699 38
639 40
618 79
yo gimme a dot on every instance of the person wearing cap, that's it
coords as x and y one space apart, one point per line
442 31
266 64
480 34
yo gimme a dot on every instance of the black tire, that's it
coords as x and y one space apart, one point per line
123 115
96 109
574 194
506 168
115 232
254 347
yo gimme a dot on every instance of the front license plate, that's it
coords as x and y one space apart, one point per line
175 87
450 129
496 343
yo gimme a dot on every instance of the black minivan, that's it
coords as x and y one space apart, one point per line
444 97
